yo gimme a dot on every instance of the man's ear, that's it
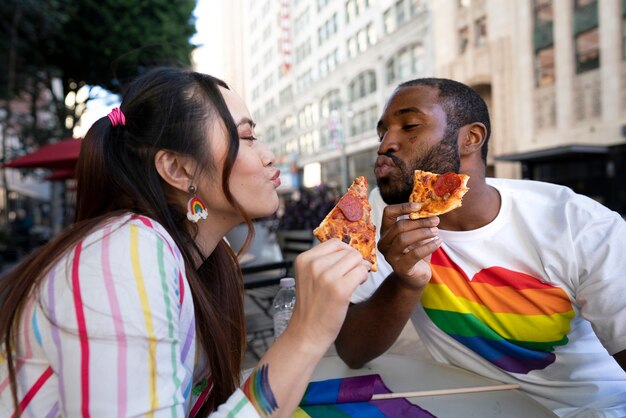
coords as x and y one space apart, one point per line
177 170
472 138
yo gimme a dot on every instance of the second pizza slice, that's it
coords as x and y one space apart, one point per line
350 221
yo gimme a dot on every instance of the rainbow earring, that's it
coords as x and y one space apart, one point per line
196 208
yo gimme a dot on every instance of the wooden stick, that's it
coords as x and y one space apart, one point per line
440 392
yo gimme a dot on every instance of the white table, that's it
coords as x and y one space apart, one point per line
404 374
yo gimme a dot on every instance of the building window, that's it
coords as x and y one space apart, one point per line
362 85
285 95
587 46
305 117
328 63
480 28
270 135
544 63
301 21
355 8
371 35
328 29
543 11
329 102
350 10
543 41
586 35
400 15
321 4
303 50
463 39
416 6
408 63
364 121
304 80
361 41
353 48
287 125
543 18
389 21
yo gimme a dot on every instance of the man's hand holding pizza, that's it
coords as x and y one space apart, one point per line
407 244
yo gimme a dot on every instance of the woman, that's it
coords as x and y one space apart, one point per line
137 309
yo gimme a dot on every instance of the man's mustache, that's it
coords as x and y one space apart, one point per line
396 161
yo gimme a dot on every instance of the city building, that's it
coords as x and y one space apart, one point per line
219 38
319 73
554 75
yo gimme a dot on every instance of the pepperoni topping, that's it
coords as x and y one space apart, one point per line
350 207
447 183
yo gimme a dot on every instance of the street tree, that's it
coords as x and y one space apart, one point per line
78 43
50 50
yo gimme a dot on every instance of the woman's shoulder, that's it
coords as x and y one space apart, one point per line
138 228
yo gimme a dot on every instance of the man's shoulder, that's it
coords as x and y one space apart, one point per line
530 189
555 198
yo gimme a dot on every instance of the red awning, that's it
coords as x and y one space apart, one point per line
60 155
62 174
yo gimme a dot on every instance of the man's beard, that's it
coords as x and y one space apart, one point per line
441 158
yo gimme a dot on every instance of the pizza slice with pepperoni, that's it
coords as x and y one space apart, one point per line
438 193
350 221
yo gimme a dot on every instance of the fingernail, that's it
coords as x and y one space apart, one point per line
434 230
415 206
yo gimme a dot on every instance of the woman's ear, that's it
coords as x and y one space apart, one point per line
472 138
177 170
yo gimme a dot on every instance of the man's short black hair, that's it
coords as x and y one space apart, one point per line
462 104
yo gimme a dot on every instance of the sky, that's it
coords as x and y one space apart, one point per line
208 29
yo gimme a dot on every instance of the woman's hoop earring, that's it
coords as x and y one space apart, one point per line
196 208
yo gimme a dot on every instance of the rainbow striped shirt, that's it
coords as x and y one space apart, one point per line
535 297
111 332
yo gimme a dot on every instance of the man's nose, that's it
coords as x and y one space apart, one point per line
389 143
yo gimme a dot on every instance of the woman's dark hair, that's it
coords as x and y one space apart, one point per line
165 109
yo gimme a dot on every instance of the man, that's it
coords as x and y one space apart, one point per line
524 283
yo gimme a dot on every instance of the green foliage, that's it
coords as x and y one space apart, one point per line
87 42
106 42
29 31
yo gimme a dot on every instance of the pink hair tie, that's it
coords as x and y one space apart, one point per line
117 117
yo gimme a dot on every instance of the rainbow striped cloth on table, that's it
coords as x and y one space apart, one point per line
350 397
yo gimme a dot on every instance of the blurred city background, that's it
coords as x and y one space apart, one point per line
315 75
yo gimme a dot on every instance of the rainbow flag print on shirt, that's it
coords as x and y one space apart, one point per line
512 319
351 397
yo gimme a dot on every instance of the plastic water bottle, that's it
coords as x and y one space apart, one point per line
283 305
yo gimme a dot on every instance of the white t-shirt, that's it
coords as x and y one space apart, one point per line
536 297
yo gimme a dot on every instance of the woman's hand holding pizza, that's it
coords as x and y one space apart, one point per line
407 244
326 277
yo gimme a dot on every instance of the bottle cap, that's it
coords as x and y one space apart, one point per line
287 282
